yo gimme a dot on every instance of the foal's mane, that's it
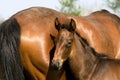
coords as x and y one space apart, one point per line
100 56
86 44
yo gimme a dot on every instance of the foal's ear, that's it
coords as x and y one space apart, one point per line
73 25
57 24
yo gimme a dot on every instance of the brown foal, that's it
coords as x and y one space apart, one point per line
84 62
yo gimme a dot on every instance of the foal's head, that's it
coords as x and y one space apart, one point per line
63 42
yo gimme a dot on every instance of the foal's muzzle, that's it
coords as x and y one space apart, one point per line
57 64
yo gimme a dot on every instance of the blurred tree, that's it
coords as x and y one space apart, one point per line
1 20
114 5
70 7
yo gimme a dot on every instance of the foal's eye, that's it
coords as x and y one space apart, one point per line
68 44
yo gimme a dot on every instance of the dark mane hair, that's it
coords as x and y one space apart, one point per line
85 43
66 26
9 50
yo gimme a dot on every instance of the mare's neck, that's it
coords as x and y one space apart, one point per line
82 60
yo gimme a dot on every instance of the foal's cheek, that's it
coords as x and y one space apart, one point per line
66 53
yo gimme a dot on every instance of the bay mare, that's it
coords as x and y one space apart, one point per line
25 42
83 61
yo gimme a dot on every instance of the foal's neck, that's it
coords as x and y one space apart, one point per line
82 60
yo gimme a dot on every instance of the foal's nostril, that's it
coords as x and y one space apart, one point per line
56 65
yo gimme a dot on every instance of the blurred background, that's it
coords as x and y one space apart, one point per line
72 7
